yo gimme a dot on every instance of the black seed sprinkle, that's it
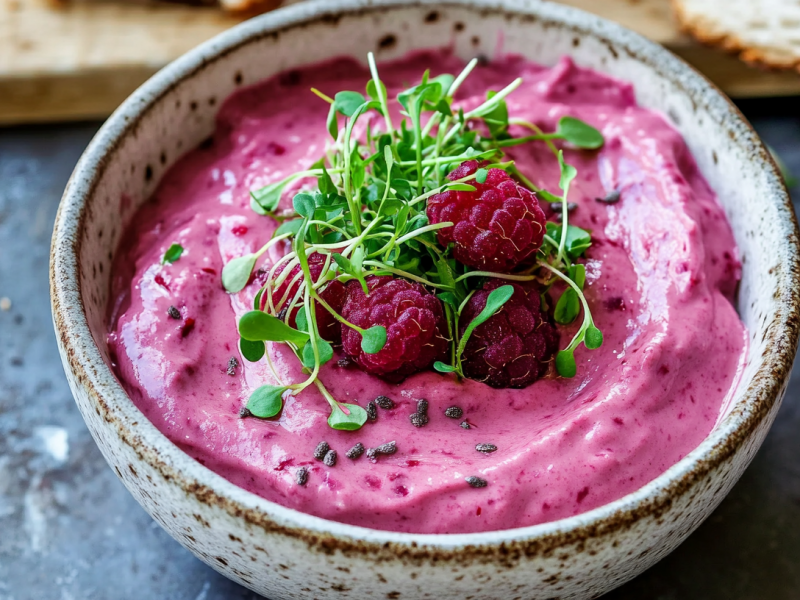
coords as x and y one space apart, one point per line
245 412
174 312
558 207
611 198
454 412
387 448
330 458
418 419
281 314
232 364
476 482
486 448
384 402
355 451
301 476
372 411
464 425
321 450
344 362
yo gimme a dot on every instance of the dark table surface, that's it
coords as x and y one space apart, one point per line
70 531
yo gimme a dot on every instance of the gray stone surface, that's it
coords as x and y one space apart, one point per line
70 531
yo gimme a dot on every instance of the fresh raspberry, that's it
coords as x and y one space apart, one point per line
513 347
415 326
495 227
334 294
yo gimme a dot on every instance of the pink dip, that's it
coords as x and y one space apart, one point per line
662 272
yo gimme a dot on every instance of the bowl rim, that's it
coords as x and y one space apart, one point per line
83 358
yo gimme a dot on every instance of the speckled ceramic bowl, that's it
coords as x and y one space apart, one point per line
283 553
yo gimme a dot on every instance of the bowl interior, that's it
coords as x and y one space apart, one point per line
175 111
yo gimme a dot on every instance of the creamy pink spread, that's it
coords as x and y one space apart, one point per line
661 276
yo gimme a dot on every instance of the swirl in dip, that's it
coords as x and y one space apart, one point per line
661 277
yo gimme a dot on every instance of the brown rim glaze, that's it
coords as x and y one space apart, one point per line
503 547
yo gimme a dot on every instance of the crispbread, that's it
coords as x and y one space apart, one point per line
765 32
244 8
249 6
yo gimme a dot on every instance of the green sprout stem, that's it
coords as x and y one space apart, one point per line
327 395
530 138
451 92
373 68
440 189
313 333
431 162
587 314
528 183
385 267
506 276
562 244
559 155
327 99
270 243
538 131
348 192
421 230
485 107
335 314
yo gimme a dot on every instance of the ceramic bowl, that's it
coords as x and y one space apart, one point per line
282 553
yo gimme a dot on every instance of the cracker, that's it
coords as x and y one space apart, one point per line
249 7
762 32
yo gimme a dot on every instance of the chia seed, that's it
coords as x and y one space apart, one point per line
419 419
281 314
321 450
174 313
232 364
384 402
372 411
476 482
355 451
464 425
611 198
344 362
301 476
245 412
387 448
558 207
454 412
383 449
330 458
485 448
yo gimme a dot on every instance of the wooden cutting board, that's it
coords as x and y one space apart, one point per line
80 60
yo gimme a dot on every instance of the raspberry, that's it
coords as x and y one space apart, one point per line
495 227
513 347
333 293
414 322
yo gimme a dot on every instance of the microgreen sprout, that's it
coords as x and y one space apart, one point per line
367 216
494 302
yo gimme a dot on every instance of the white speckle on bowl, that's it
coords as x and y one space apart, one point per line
55 441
